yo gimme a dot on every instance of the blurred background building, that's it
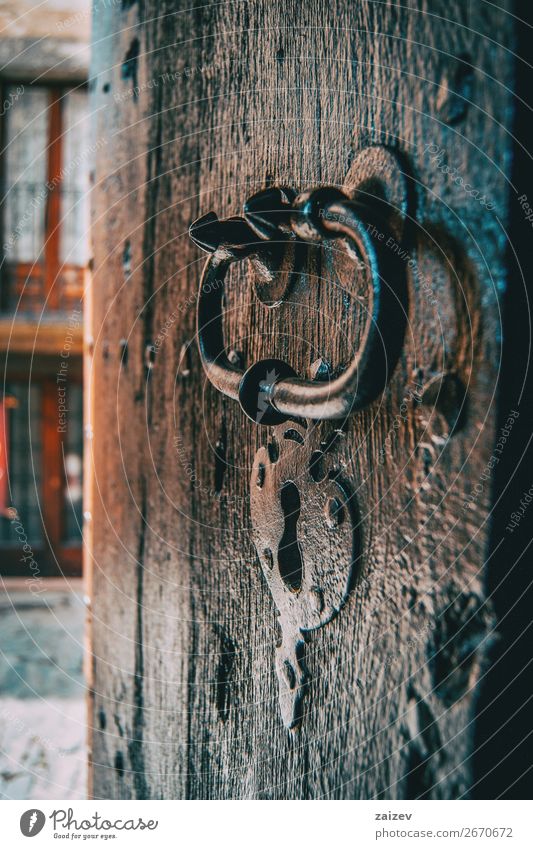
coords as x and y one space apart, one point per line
44 173
45 164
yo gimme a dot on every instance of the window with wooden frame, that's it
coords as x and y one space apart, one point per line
45 163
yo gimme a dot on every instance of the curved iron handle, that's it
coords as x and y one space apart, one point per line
270 392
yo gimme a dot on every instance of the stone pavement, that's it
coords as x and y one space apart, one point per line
42 691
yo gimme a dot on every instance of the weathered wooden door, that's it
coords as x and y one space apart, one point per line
197 107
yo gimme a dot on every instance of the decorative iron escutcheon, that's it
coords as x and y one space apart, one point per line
305 523
306 532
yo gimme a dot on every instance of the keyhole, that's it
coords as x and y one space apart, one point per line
289 554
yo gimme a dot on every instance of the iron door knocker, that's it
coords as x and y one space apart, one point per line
270 392
307 537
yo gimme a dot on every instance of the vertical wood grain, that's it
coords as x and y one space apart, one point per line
232 97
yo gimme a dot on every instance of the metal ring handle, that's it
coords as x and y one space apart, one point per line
274 396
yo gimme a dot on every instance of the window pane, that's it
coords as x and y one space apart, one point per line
73 461
77 157
25 463
26 172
